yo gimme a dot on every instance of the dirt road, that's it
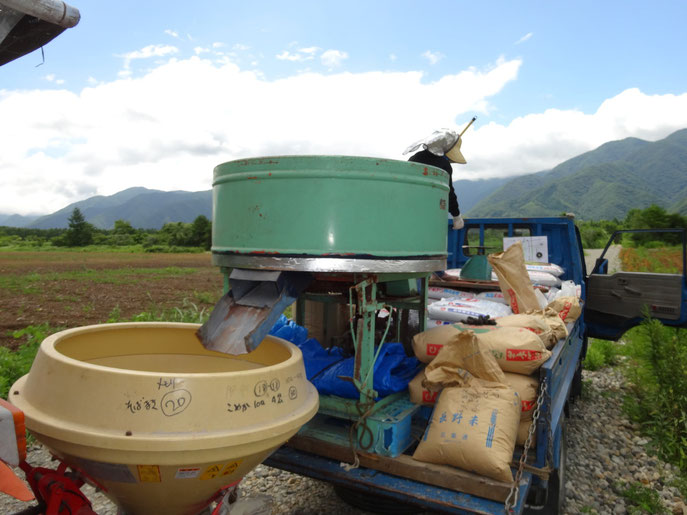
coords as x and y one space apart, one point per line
613 256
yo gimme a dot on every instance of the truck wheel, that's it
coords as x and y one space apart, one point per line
374 503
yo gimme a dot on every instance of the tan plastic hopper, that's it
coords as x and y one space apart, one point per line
157 421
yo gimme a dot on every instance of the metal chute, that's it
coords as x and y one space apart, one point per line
243 317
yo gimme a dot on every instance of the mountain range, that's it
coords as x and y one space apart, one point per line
143 208
602 184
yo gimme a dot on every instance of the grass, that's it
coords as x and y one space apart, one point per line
14 364
657 373
641 499
601 354
189 312
206 297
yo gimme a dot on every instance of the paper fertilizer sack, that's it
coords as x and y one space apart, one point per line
557 325
419 394
514 280
463 353
526 387
427 344
568 308
535 323
516 349
474 428
454 365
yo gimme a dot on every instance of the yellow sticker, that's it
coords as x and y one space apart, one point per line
230 468
212 471
149 473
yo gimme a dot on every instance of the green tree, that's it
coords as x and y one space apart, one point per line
123 227
201 232
176 233
80 232
654 217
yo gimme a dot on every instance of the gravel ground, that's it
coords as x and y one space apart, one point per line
605 452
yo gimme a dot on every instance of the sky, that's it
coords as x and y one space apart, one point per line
158 93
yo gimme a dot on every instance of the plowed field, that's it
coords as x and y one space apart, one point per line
71 289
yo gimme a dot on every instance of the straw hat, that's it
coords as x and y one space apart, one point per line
454 154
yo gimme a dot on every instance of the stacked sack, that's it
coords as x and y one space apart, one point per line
519 345
475 420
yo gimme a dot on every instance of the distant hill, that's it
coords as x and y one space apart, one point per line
142 207
602 184
470 193
16 220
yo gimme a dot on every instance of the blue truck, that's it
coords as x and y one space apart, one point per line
392 482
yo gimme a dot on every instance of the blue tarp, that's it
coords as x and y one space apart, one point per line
393 370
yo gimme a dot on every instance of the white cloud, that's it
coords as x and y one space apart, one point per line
51 77
300 55
145 53
312 50
333 58
540 141
240 47
169 127
172 33
393 57
288 56
524 38
433 57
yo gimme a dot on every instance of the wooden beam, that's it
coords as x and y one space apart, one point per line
405 466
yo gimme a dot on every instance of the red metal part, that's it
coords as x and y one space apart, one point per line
59 493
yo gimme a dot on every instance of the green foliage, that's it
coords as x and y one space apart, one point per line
658 374
206 297
201 232
176 237
600 354
80 232
642 499
654 217
595 234
14 364
188 313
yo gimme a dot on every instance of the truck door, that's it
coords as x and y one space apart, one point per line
618 300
